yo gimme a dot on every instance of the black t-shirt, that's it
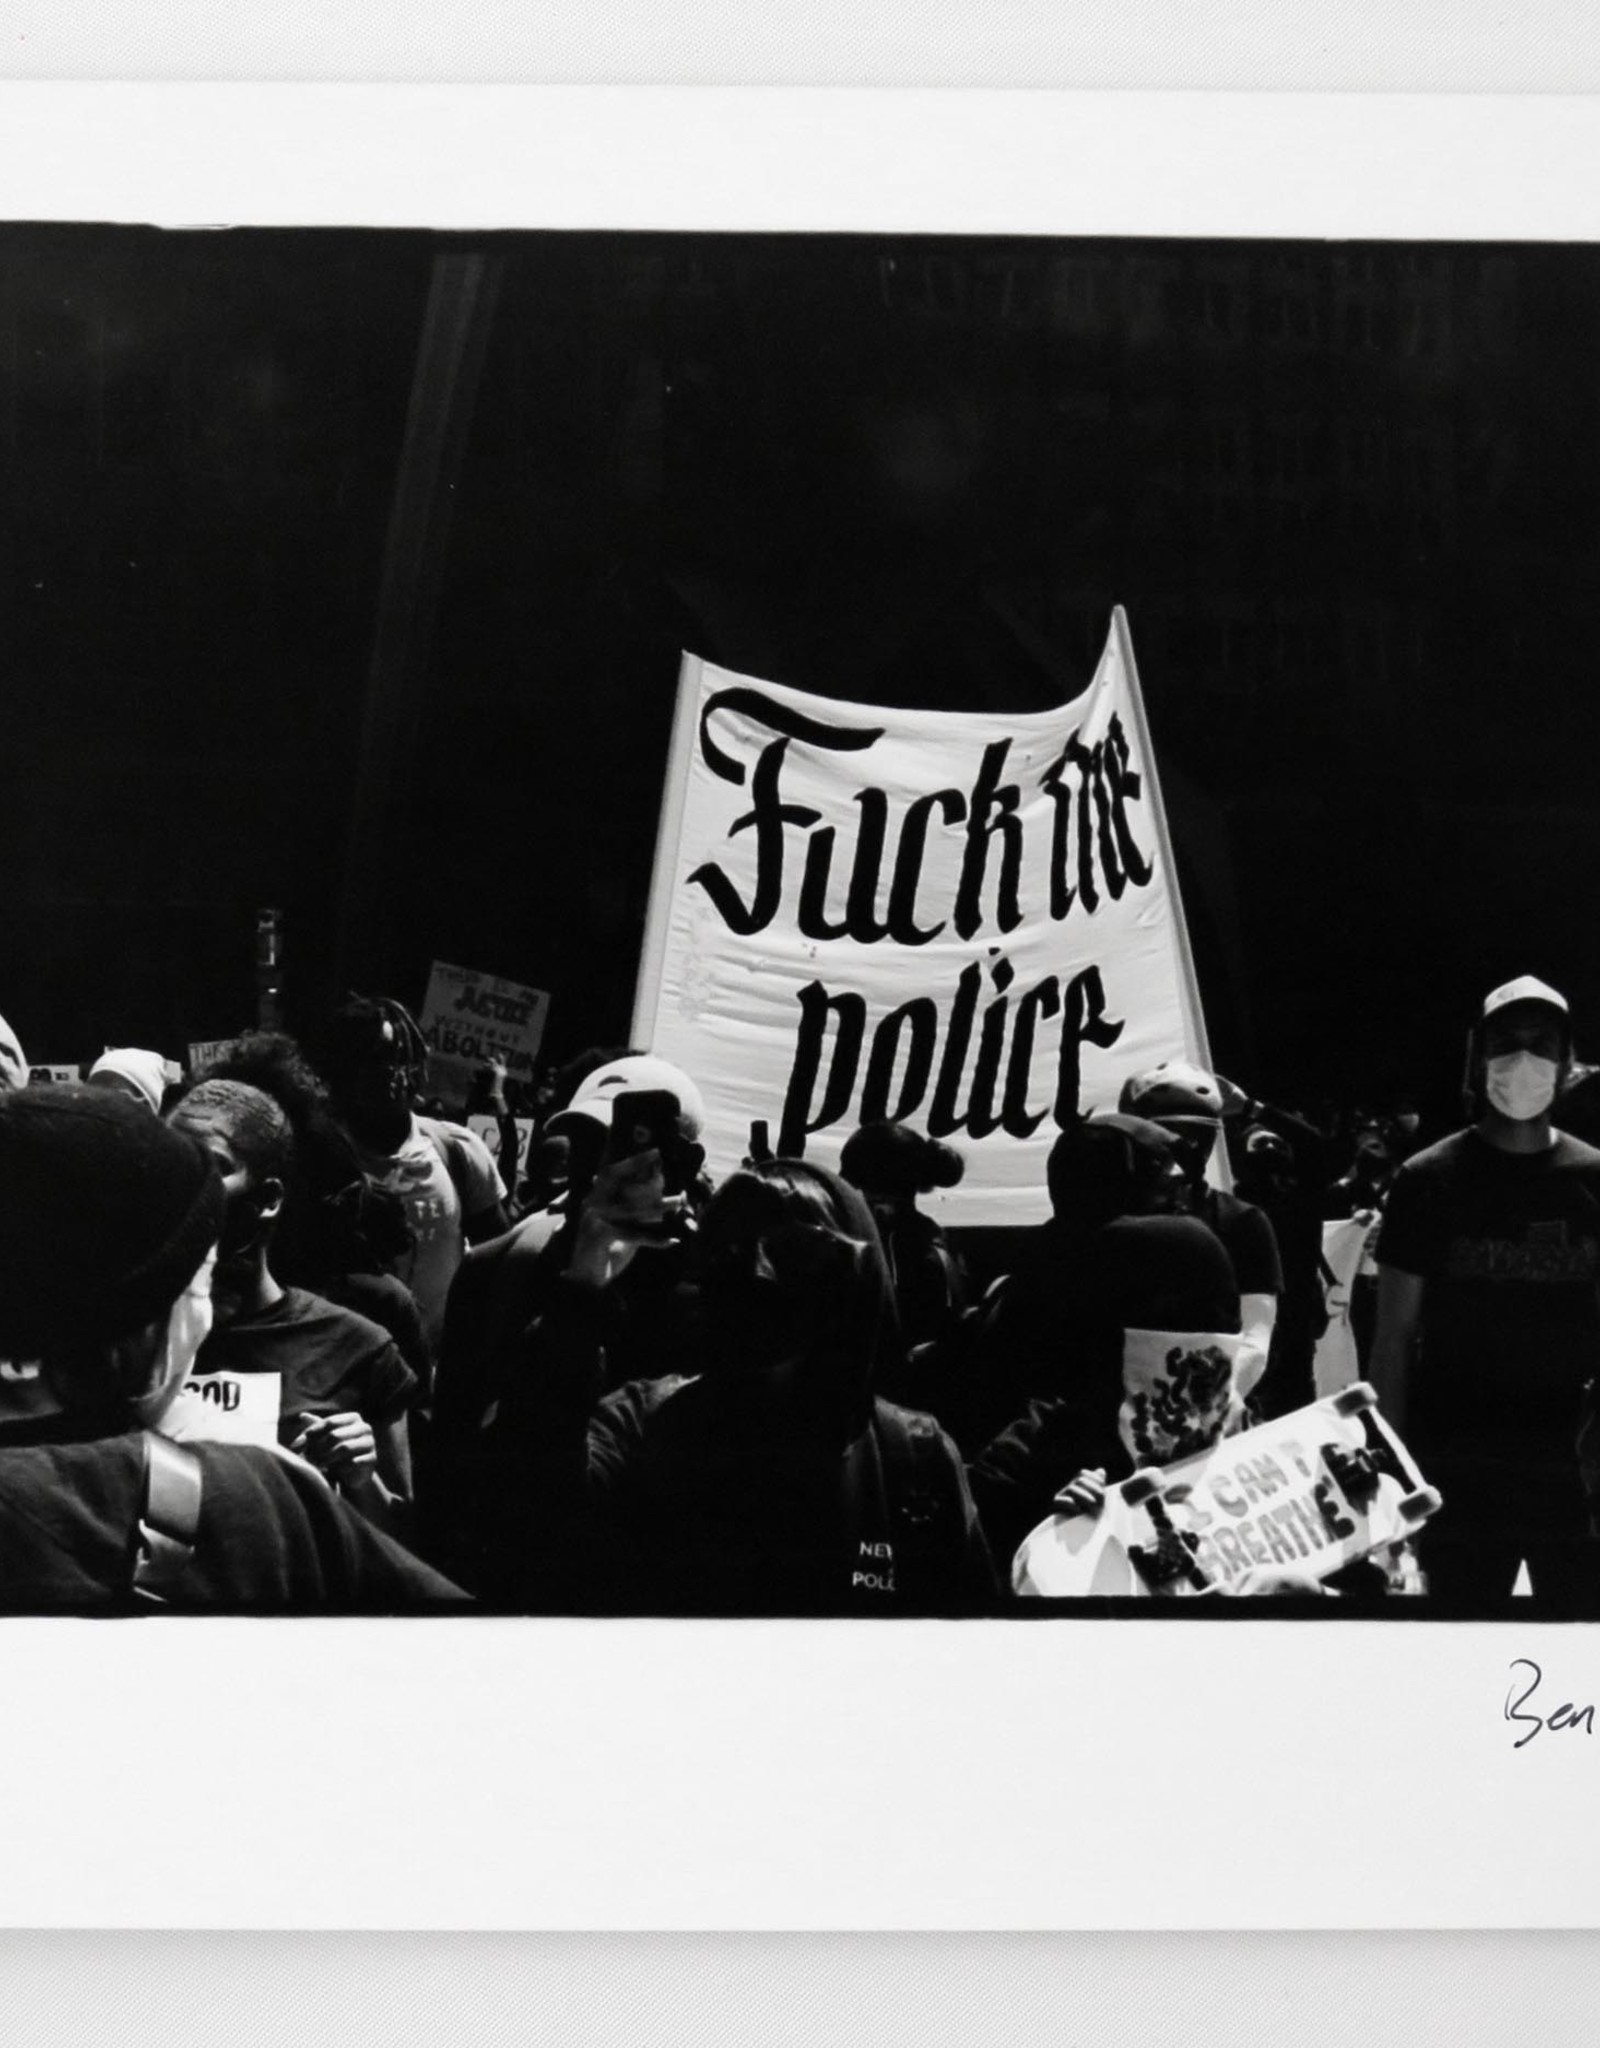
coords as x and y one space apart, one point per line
1247 1237
331 1360
1509 1246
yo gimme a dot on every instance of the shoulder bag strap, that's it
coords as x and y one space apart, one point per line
169 1520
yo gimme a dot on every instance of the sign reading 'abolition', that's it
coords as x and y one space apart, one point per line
969 922
470 1019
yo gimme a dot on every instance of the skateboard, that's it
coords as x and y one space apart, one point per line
1296 1499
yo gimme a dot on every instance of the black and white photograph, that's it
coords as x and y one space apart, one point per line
795 876
755 925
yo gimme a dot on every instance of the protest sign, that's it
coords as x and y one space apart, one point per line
470 1018
966 920
1345 1255
202 1051
226 1408
488 1129
1303 1495
1179 1390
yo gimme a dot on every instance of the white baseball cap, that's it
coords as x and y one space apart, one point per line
1527 988
634 1074
144 1072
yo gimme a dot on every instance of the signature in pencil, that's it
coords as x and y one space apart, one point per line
1526 1680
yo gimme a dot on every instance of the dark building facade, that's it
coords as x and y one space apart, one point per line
349 573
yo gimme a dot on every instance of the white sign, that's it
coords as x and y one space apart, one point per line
470 1019
968 921
1301 1496
202 1051
1336 1362
226 1408
54 1073
488 1129
1179 1392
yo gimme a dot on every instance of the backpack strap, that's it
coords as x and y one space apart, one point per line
923 1499
169 1518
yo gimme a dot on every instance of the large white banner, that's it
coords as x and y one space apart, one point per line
966 921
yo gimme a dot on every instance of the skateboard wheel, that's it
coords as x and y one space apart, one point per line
1427 1500
1142 1486
1355 1399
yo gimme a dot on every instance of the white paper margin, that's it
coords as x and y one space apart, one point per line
497 1774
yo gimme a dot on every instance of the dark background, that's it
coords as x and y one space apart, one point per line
305 528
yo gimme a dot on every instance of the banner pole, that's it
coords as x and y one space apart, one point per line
658 916
1194 1017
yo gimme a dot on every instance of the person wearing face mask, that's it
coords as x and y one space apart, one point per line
111 1221
1488 1320
342 1390
772 1480
1190 1105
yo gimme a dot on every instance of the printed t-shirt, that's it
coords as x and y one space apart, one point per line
1508 1244
328 1360
437 1202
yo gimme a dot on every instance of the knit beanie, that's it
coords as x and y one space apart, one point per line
105 1214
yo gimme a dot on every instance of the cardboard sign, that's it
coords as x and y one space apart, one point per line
45 1074
488 1129
202 1051
226 1408
1346 1250
966 920
1304 1495
470 1018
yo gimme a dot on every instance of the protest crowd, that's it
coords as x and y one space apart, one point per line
279 1332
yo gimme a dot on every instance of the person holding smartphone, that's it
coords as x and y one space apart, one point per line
769 1480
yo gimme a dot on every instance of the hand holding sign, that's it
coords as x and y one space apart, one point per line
1083 1495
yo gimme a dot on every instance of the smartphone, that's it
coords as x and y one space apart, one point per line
646 1120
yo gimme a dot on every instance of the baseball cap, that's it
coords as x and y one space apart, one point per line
145 1071
635 1074
1527 988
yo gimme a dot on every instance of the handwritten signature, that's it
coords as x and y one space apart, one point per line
1565 1716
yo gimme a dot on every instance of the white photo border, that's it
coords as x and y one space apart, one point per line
495 1774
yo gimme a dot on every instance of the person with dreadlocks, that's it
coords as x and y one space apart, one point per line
372 1058
343 1391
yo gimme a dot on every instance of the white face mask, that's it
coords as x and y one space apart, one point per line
1521 1085
188 1327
